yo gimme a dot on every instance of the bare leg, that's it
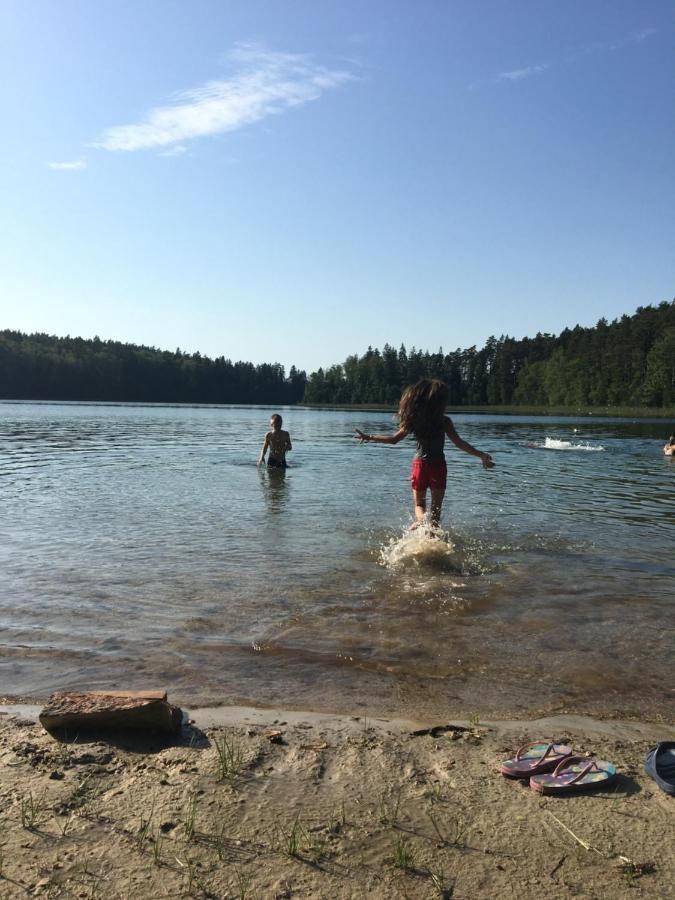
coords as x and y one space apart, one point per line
420 501
437 495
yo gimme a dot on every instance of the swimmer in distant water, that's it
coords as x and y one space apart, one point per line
422 414
669 448
278 442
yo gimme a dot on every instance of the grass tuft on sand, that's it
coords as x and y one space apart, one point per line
335 810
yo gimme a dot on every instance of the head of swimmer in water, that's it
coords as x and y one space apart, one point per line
422 406
276 422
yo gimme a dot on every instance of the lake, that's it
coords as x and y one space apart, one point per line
142 546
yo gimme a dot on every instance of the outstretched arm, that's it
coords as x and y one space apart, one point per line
485 458
263 450
381 438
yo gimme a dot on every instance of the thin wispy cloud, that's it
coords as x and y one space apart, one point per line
636 37
643 34
266 83
519 74
68 166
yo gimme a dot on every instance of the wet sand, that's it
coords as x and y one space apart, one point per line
341 807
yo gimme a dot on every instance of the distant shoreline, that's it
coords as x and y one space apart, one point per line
622 412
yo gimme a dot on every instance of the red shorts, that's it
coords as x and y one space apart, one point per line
428 473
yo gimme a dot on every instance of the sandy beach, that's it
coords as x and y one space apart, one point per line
251 803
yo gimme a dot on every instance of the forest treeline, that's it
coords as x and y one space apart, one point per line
627 362
43 367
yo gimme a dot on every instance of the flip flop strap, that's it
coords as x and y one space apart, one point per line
580 775
520 752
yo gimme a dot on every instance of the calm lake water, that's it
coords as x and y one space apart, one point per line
141 546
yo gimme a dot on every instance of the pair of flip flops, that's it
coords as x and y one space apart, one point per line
554 769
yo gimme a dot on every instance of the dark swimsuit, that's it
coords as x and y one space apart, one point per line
429 469
273 463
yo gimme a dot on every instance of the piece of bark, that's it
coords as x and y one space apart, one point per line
435 730
111 711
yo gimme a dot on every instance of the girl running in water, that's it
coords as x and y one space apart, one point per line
422 414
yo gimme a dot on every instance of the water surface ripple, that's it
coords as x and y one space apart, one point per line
141 545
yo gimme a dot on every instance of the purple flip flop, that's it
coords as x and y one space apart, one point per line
534 758
577 773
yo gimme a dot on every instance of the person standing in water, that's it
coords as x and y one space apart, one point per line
669 448
278 442
422 413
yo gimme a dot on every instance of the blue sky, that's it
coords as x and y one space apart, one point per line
293 181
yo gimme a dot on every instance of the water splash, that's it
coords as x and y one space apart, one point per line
423 547
557 444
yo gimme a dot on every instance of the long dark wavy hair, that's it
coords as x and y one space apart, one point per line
422 407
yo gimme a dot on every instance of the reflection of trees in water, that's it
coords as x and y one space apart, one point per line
275 488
